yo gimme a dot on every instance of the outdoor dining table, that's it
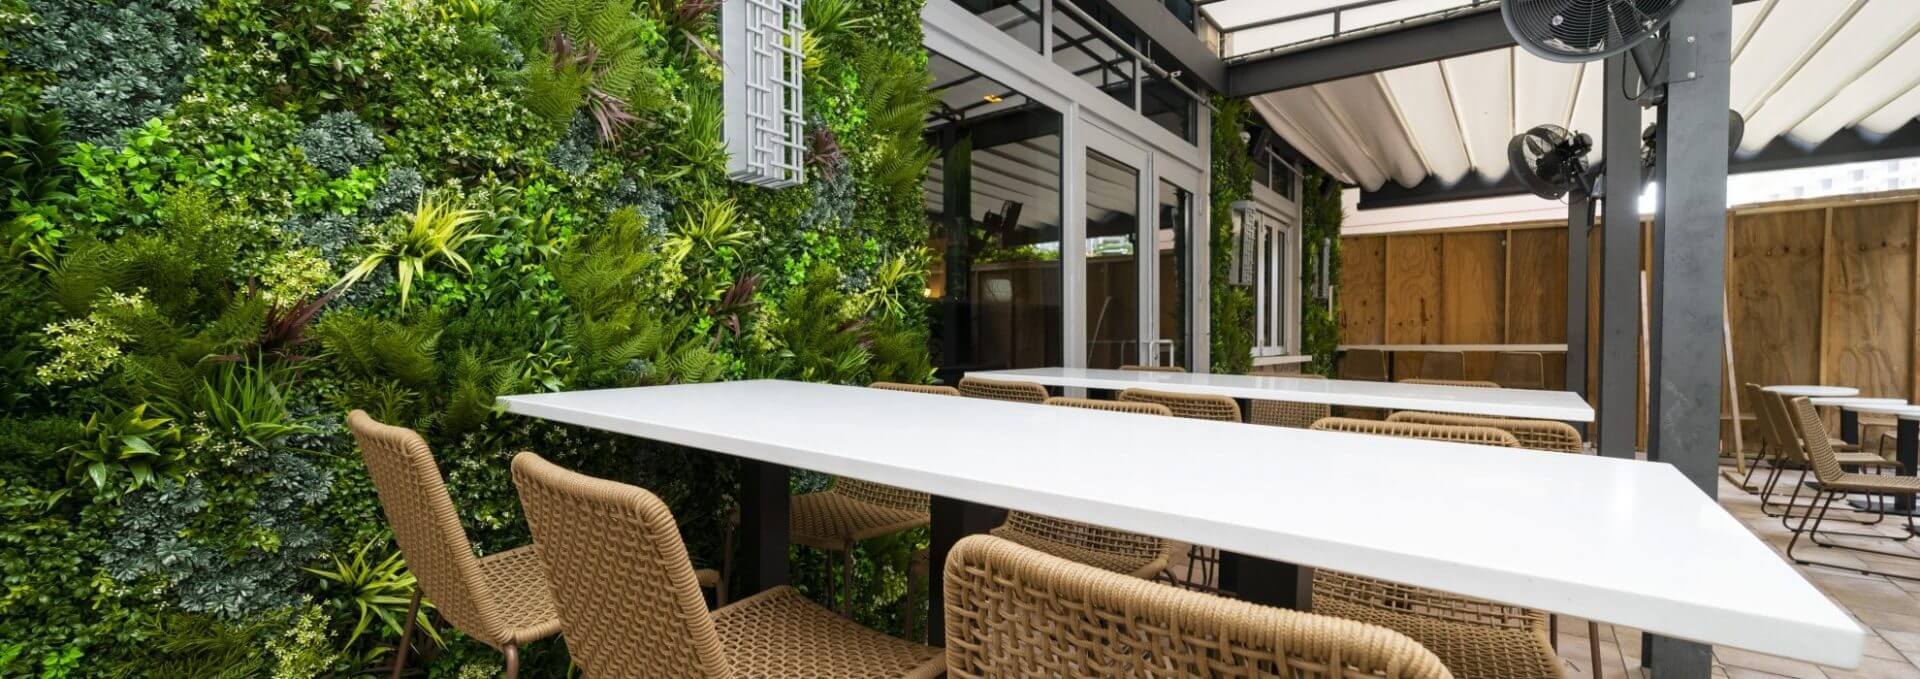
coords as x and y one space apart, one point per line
1906 430
1524 403
1621 541
1849 421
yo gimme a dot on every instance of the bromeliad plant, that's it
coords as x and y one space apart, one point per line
436 229
377 589
128 443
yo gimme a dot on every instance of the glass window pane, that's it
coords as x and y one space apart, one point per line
1113 272
993 203
1168 107
1017 18
1176 213
1091 56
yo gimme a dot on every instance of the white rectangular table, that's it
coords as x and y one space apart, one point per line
1632 543
1526 403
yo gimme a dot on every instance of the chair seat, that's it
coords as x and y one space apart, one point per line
518 582
1864 460
780 633
1124 564
833 521
1843 446
1874 483
1506 642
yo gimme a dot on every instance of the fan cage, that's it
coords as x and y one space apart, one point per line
1584 30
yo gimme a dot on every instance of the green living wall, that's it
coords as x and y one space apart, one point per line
229 222
1233 306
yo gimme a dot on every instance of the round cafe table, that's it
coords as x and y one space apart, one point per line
1906 450
1849 421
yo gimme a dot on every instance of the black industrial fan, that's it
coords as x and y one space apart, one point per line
1584 30
1551 162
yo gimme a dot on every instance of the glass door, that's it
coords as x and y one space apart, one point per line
1112 252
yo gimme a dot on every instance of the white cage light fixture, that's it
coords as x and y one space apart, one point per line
760 48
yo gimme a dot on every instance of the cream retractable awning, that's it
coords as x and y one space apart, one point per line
1804 70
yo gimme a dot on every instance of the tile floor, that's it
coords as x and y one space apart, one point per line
1888 607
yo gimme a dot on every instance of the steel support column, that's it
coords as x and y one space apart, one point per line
1579 223
1616 394
1689 268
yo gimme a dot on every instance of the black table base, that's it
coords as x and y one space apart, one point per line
952 519
1273 583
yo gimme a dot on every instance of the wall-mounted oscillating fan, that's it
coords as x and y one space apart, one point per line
1550 161
1584 30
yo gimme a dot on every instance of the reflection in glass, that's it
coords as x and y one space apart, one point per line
1017 18
1089 55
993 204
1113 280
1170 239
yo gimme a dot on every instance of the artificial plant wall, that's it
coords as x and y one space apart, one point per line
1232 305
1321 214
229 222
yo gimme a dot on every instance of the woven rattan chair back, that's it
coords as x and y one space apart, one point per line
1195 406
1002 390
1154 368
1548 435
1443 365
1015 612
1764 421
1787 429
1815 441
1289 413
880 494
1489 436
1364 364
935 389
1483 384
1110 406
1520 369
1474 637
629 603
428 529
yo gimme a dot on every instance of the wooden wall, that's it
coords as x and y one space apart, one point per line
1819 291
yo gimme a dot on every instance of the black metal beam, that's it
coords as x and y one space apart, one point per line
1850 145
1579 224
1617 393
1176 39
1372 51
1369 53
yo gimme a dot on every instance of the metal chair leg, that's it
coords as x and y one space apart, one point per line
846 581
406 634
513 661
1593 648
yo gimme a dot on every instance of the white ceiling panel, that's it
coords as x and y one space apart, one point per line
1419 94
1867 37
1482 87
1366 113
1804 68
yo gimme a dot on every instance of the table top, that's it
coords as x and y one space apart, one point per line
1542 348
1621 541
1851 402
1900 410
1812 390
1527 403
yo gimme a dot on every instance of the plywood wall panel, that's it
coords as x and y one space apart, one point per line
1773 300
1868 336
1363 291
1473 281
1537 289
1413 299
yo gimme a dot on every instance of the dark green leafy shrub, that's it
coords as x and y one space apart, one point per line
338 142
117 64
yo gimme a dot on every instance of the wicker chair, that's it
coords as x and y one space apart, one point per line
1794 455
1364 364
1154 368
1474 637
1520 369
630 607
1549 435
1836 483
500 599
1141 556
1195 406
1289 413
1484 384
934 389
1490 436
1443 365
1002 390
1016 612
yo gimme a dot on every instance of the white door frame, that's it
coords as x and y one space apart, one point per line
1087 113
